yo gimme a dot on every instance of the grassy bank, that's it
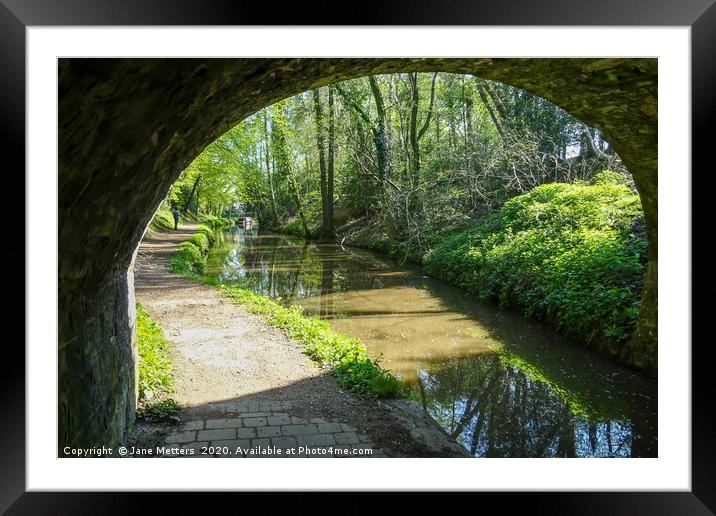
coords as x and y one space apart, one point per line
344 357
155 372
571 254
162 220
191 257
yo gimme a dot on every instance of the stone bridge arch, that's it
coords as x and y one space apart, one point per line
128 127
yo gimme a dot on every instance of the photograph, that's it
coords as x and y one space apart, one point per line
358 257
429 239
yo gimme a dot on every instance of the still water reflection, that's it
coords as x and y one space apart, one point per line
501 385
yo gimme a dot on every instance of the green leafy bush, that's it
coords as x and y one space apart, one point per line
189 259
573 254
154 357
161 411
295 227
155 371
217 223
209 233
201 241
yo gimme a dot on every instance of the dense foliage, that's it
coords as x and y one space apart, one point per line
573 254
155 371
418 163
408 151
217 223
189 259
191 256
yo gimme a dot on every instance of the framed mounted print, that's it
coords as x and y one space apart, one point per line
431 239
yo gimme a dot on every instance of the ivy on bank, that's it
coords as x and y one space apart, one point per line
572 254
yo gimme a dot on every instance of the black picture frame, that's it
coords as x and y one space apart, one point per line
700 15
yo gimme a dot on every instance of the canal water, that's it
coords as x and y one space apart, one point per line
501 385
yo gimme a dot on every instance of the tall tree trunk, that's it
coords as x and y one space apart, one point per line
191 194
321 161
414 146
496 99
380 135
362 143
329 232
378 129
274 211
429 116
591 150
472 186
327 225
196 210
490 109
415 133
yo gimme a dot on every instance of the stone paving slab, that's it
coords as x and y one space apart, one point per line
315 440
185 436
217 434
254 421
279 420
346 438
268 431
329 428
222 423
300 429
257 429
197 424
245 433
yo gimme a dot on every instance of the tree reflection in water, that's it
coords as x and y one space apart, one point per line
497 411
498 384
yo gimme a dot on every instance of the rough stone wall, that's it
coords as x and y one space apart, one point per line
128 127
97 359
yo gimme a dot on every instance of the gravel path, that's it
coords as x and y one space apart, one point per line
243 384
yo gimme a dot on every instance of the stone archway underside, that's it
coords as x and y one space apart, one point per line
128 127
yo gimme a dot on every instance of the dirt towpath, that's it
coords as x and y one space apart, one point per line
243 384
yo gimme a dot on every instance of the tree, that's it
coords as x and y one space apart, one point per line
404 154
327 172
282 159
329 232
272 190
377 127
415 134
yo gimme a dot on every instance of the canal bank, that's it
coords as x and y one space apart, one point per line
243 383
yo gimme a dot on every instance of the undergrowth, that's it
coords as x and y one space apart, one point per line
572 254
155 372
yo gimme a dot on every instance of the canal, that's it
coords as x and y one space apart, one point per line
501 385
